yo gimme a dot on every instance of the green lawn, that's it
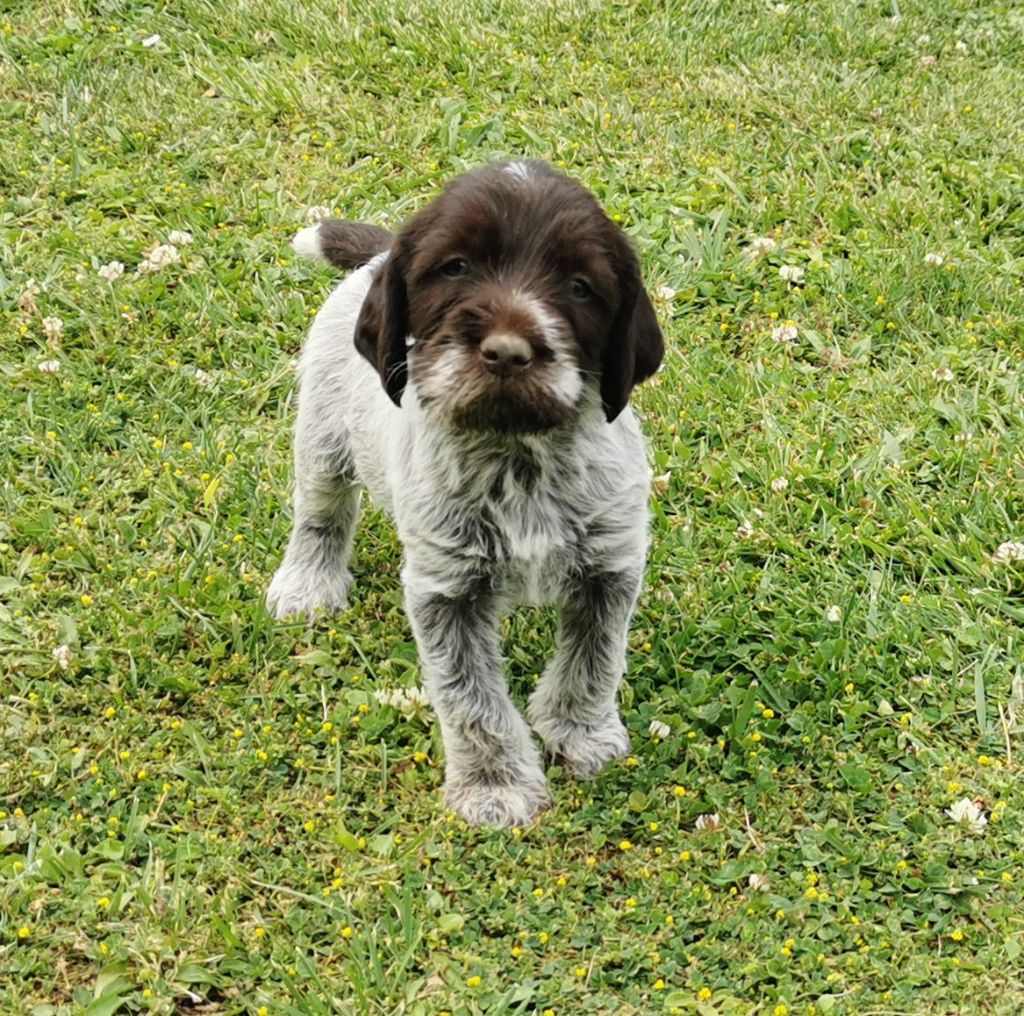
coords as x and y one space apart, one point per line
202 811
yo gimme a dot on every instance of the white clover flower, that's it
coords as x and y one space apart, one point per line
660 483
159 257
1005 553
760 246
31 288
934 260
962 437
665 293
659 729
942 374
111 271
834 614
744 530
779 484
62 654
406 700
150 41
202 378
923 40
791 274
317 214
49 366
785 333
759 883
929 61
960 46
708 823
967 812
52 328
179 238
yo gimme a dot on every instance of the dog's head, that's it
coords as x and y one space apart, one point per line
505 299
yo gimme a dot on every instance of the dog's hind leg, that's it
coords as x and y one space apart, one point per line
314 574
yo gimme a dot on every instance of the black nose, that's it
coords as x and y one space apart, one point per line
506 355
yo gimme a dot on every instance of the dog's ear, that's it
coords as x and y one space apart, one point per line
635 345
383 324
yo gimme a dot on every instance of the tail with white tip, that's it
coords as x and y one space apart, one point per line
342 243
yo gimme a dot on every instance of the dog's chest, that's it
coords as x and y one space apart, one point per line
518 518
532 540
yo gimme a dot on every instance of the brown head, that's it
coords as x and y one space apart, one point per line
505 299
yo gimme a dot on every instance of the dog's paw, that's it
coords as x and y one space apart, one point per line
582 749
502 805
293 591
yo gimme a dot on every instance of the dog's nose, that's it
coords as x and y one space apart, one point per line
506 355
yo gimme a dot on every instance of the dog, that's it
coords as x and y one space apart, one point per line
473 373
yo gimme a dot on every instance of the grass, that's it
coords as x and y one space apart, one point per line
207 812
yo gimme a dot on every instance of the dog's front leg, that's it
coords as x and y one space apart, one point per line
574 706
493 774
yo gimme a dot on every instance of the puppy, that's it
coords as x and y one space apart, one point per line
474 375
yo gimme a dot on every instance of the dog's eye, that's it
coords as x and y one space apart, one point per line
456 267
578 289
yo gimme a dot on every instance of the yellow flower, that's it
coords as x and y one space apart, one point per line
346 932
684 855
625 845
104 902
581 971
538 892
516 951
957 935
86 600
768 713
679 791
262 1011
474 981
659 985
781 1009
110 712
24 931
704 994
543 938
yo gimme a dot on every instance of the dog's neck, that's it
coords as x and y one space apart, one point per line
489 461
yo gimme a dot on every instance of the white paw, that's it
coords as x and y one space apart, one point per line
294 591
502 805
582 749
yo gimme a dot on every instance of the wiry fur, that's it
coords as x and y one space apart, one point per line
489 516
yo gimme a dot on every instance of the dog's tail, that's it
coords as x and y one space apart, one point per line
342 243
